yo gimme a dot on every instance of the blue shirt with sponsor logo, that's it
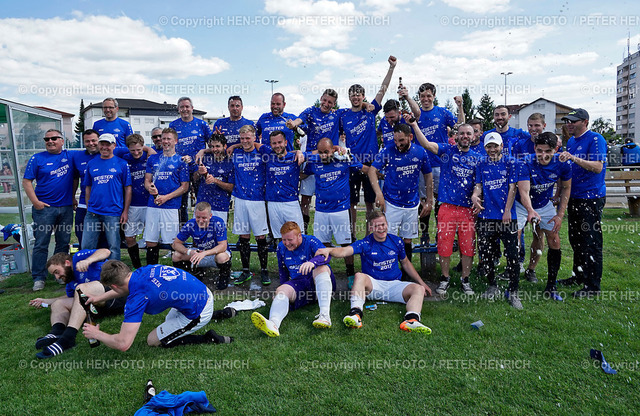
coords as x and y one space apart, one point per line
91 275
332 183
381 260
168 173
137 169
250 174
154 289
290 261
433 124
495 178
386 130
231 128
457 175
79 160
268 123
217 197
107 179
590 146
192 137
320 125
402 174
53 176
119 128
543 178
204 238
283 176
359 128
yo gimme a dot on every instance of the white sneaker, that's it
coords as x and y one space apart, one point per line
265 325
466 288
38 285
322 321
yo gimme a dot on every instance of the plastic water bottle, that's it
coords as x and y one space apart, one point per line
5 266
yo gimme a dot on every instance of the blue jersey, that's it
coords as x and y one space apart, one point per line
249 173
359 128
168 173
218 198
268 123
509 139
54 177
290 261
630 154
91 275
381 260
590 146
332 183
543 178
204 238
107 179
319 126
523 148
154 289
433 124
79 160
119 128
495 178
386 130
402 174
457 175
283 176
192 137
231 129
137 169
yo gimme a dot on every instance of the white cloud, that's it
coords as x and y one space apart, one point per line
388 6
479 6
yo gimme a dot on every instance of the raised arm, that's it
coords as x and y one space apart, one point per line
387 79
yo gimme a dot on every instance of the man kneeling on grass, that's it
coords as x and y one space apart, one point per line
304 276
380 254
154 289
82 271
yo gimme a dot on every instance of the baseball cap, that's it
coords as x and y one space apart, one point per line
493 138
107 137
577 115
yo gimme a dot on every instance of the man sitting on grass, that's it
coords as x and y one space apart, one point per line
154 289
380 254
304 276
67 314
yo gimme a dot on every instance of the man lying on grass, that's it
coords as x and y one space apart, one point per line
380 254
304 276
154 289
82 271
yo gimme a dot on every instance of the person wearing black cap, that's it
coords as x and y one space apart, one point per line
588 152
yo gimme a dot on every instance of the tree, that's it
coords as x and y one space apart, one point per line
467 105
79 128
485 112
606 129
449 106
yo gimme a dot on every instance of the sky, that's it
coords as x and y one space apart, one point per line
55 53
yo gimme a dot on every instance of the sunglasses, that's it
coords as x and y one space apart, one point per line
572 121
156 136
46 139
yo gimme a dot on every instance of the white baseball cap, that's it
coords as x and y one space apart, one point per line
492 137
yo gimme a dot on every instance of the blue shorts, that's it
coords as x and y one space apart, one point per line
305 289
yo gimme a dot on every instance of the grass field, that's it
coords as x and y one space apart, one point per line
534 361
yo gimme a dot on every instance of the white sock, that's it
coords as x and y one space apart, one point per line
323 291
279 309
417 313
357 302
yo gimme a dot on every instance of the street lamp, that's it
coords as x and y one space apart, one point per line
271 81
505 85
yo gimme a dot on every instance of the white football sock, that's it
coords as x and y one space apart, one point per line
323 291
279 309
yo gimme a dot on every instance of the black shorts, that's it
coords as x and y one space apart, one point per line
357 179
112 306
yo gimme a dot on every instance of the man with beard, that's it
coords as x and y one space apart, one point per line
215 172
392 116
275 120
510 136
80 158
67 314
230 126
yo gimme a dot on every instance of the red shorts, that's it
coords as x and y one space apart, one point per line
452 218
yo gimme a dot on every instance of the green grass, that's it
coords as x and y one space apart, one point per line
378 370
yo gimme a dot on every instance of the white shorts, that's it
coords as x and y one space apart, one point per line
403 222
161 225
308 185
387 290
249 217
281 212
546 213
223 215
210 261
135 221
435 172
332 224
176 322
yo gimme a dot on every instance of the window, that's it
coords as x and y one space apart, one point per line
632 76
633 66
632 105
632 115
136 120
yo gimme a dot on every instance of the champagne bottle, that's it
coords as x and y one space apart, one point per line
92 312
